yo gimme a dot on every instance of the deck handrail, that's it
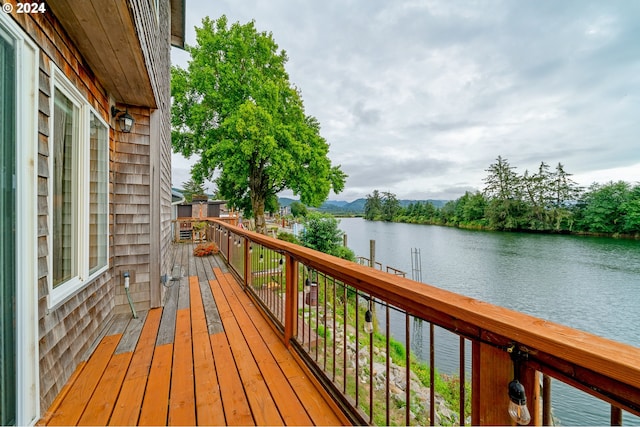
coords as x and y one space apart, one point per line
599 366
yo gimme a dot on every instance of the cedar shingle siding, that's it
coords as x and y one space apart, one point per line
139 189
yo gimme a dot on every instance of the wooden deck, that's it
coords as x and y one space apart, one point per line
207 358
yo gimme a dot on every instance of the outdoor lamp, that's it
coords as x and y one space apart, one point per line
124 119
368 320
518 403
518 410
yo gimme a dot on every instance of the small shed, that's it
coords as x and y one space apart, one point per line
199 208
203 209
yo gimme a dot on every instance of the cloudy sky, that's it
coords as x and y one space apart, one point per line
420 97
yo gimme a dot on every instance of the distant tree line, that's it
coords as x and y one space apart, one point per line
547 200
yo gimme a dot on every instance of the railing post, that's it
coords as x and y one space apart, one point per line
291 299
492 371
247 262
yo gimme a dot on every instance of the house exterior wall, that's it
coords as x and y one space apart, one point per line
132 212
139 193
155 42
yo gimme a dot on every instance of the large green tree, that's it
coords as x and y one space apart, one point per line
235 108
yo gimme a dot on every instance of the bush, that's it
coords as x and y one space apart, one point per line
321 232
288 237
344 253
205 249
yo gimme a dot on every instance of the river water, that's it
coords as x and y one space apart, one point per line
587 283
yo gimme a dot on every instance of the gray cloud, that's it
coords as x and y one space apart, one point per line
419 97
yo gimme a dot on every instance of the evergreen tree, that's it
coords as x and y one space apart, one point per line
390 206
505 210
190 188
502 183
373 206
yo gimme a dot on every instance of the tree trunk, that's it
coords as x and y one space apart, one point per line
257 204
258 197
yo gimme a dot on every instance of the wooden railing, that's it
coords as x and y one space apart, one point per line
313 298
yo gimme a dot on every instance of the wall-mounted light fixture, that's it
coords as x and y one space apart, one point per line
517 398
124 119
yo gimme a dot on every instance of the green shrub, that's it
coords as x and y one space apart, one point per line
288 237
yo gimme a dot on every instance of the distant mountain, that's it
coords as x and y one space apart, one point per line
342 207
339 203
285 201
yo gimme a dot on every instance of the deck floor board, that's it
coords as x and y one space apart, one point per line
127 407
294 411
314 404
208 357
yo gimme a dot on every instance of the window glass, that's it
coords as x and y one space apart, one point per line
65 188
7 230
98 193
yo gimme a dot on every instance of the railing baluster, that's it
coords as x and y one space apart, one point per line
335 309
344 339
357 355
371 382
324 325
309 320
387 362
462 390
616 416
547 419
432 376
407 346
317 319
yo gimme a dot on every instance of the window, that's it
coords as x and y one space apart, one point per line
65 189
79 190
19 390
7 228
98 193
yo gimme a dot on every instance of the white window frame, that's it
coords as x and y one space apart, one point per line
27 354
64 291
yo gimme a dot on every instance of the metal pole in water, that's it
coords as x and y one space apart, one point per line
416 264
